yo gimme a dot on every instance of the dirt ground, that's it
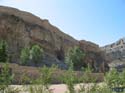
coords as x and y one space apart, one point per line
60 88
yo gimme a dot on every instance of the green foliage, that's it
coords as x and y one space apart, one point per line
74 57
5 77
88 69
69 79
36 89
25 53
41 85
122 77
87 76
3 51
25 79
114 78
36 53
46 75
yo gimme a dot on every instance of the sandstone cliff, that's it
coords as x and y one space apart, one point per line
21 29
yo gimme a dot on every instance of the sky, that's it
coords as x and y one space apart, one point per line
98 21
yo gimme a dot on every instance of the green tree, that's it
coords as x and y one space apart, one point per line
3 51
36 54
6 77
25 53
33 54
74 57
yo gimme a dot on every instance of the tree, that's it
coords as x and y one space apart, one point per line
36 54
74 57
3 51
33 54
25 53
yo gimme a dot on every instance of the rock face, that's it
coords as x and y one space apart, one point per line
21 29
115 50
94 56
115 53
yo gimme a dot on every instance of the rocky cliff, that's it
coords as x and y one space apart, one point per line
115 53
115 50
21 29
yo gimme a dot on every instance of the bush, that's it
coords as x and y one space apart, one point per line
46 75
88 76
41 85
74 58
5 77
36 54
33 54
3 51
123 78
25 53
114 78
69 79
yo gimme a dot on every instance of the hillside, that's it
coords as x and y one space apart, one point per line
21 29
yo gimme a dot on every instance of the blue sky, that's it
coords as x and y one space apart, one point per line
99 21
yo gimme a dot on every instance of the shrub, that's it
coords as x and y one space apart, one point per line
33 54
123 78
36 54
25 53
88 76
41 84
114 78
5 77
46 75
3 51
69 79
74 57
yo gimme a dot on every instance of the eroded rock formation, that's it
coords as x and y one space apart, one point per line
115 53
21 29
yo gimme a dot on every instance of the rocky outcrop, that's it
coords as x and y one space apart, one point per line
115 53
93 56
115 50
21 29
